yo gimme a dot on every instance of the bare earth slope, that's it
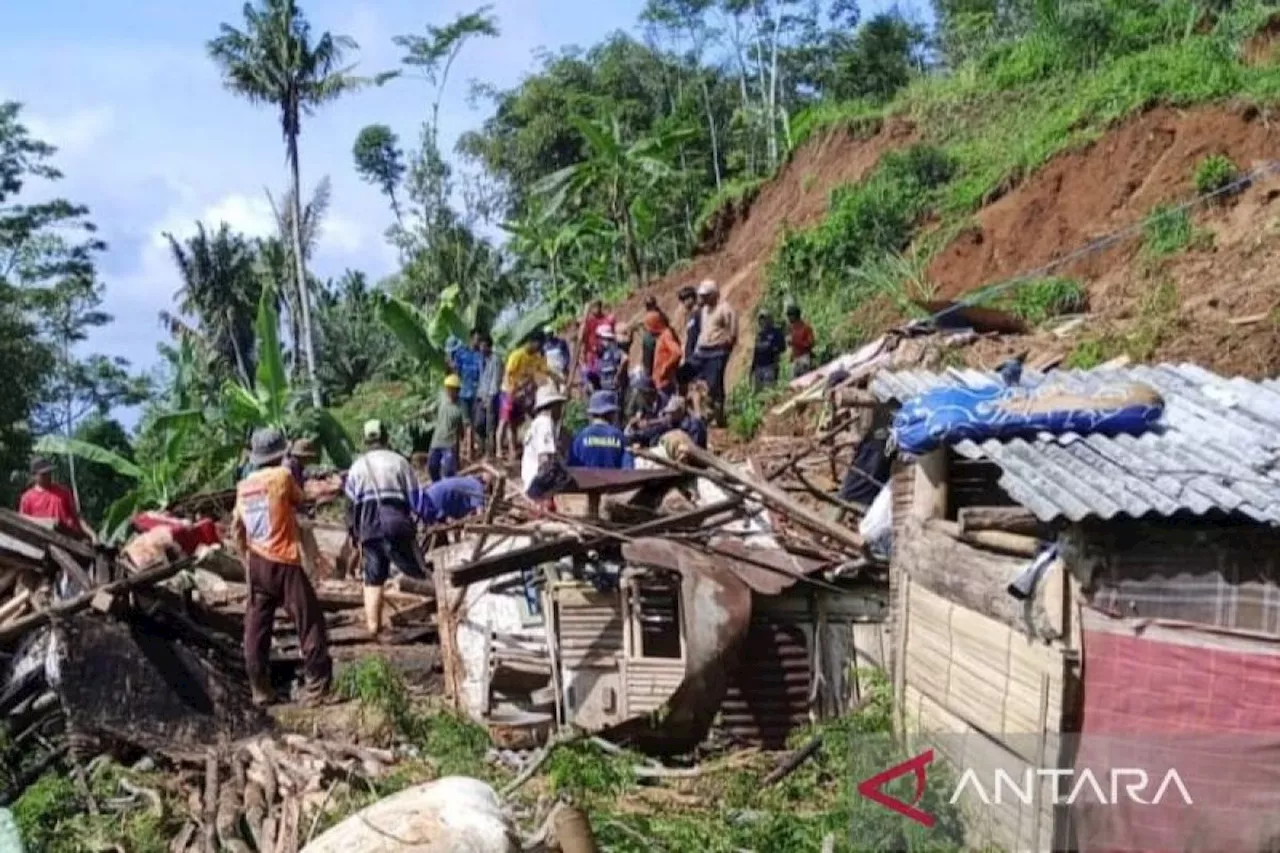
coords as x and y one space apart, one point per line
796 198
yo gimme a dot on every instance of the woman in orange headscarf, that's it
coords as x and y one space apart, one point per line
667 352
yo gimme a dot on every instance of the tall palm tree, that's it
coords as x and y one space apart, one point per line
274 60
220 290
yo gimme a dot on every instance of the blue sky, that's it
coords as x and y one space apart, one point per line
151 141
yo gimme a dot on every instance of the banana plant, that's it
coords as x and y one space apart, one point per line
274 402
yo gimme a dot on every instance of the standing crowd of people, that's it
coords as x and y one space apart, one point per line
511 406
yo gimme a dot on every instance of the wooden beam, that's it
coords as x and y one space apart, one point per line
778 500
150 577
39 536
1008 519
71 566
995 540
535 555
971 577
929 492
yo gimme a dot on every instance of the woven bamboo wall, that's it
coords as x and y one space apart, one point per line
986 696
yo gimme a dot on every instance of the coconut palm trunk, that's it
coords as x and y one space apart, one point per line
300 272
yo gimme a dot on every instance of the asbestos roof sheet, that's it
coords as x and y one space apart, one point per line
1217 448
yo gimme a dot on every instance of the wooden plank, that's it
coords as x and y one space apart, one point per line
992 540
972 577
929 493
1008 519
37 535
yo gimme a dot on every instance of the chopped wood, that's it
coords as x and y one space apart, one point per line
1007 519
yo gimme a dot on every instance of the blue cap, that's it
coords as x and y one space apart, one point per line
602 403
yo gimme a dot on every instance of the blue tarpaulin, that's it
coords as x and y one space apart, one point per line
947 416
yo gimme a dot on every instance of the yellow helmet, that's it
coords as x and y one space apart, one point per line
452 381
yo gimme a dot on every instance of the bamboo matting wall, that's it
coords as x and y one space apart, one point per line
994 699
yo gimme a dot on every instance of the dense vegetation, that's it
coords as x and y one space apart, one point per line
600 168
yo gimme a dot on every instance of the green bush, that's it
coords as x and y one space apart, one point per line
1167 231
746 408
1214 172
819 268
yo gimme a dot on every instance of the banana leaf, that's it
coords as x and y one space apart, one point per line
273 381
58 445
411 328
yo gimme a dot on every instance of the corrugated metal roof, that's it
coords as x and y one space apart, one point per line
1217 448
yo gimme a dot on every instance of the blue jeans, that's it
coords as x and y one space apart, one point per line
441 463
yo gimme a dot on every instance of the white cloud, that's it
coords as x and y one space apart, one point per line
341 234
77 132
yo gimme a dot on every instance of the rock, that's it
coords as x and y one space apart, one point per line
456 814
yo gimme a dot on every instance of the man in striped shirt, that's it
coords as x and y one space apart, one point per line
380 490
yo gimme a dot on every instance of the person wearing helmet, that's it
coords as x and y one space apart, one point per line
446 438
380 490
600 444
542 442
717 336
609 361
265 527
800 336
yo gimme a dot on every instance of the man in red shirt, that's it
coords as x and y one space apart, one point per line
47 499
801 334
588 333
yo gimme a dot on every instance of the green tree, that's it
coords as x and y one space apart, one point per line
355 346
220 290
275 60
100 486
620 172
380 161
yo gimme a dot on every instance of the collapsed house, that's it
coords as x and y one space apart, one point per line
1097 603
651 633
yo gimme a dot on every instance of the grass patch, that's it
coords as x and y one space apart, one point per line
1166 231
747 407
53 817
832 269
1214 173
455 745
1156 322
1041 299
735 193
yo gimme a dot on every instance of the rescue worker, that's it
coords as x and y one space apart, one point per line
449 499
265 527
484 420
468 363
689 370
49 500
769 347
542 442
588 333
800 335
600 444
676 414
609 360
446 437
301 454
380 488
717 336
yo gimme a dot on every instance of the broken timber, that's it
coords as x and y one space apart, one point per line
532 555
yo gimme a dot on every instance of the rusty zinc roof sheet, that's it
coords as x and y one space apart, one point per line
1217 448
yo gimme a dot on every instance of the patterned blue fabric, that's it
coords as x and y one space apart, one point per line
946 416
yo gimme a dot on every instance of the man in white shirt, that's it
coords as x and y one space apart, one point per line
541 443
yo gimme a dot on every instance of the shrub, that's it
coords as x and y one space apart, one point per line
1166 231
1213 173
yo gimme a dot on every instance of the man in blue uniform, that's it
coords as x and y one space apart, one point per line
449 499
600 444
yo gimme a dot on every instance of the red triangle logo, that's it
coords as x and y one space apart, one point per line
870 788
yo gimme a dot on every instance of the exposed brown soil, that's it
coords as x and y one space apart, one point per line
796 199
1086 194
